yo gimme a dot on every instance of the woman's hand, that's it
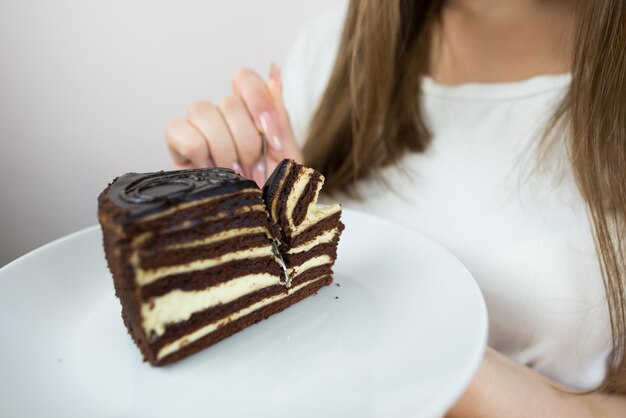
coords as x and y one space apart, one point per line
229 134
504 388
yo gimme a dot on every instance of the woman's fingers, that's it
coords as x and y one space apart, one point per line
267 113
243 132
186 144
230 135
264 101
208 120
250 87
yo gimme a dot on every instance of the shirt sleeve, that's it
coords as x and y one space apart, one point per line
308 66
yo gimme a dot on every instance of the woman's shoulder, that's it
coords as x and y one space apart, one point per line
308 66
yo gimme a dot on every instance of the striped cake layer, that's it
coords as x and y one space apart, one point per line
217 331
156 256
201 279
199 318
179 270
196 209
323 237
207 272
179 305
174 305
227 246
292 191
214 251
145 277
326 218
168 309
213 247
214 325
179 234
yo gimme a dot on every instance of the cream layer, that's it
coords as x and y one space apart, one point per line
207 329
316 214
309 264
324 238
140 239
297 189
218 217
220 236
178 305
144 277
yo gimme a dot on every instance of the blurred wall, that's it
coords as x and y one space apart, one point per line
87 88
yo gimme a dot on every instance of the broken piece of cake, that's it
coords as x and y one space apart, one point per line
309 233
198 255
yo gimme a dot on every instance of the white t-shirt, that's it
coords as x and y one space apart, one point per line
522 231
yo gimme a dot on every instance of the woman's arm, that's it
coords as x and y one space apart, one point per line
504 388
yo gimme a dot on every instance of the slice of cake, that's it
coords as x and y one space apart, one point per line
195 257
309 232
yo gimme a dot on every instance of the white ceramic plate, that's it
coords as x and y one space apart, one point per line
401 337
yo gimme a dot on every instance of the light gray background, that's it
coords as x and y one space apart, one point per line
87 88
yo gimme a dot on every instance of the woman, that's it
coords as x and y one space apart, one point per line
497 127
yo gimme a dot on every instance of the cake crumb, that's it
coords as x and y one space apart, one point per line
337 284
336 297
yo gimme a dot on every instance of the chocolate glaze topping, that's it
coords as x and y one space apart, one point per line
145 194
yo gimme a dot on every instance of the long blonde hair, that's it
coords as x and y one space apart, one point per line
369 118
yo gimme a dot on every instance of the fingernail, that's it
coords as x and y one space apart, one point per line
275 73
237 167
270 129
258 173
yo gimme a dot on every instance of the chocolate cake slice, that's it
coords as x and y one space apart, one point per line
195 257
309 232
